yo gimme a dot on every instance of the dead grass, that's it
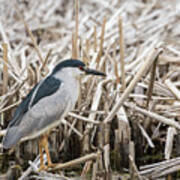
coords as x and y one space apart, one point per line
136 43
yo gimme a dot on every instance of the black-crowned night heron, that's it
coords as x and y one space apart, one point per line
46 104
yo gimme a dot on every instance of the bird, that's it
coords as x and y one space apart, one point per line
46 105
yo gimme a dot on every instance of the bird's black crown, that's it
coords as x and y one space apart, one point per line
68 63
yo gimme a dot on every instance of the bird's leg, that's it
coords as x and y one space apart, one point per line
45 145
42 166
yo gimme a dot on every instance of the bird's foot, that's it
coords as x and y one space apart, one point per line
52 165
49 166
42 168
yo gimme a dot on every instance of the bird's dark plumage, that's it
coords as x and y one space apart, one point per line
68 63
49 86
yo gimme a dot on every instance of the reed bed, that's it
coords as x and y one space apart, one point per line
124 126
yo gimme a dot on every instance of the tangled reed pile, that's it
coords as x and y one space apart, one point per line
125 125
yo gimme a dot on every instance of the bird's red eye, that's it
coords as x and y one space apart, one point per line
81 68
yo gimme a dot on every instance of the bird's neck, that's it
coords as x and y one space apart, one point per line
71 84
67 75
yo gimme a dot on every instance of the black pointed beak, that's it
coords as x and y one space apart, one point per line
94 72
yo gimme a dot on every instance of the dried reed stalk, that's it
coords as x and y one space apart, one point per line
74 52
77 28
45 61
121 43
153 115
173 88
169 142
151 83
95 39
101 40
5 68
152 57
75 162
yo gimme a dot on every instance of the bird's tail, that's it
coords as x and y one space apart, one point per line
12 136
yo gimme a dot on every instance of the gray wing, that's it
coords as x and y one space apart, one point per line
46 114
48 87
